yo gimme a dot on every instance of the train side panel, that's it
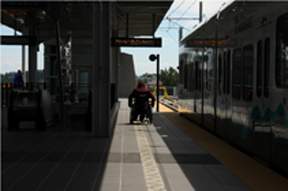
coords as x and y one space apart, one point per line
236 83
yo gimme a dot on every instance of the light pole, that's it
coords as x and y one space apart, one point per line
152 58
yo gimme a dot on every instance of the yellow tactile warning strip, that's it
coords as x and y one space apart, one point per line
152 175
250 171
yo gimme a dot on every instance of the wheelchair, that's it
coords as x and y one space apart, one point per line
141 112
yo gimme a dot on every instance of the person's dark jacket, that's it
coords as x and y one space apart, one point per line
18 79
141 96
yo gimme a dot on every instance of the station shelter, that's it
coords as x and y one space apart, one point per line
83 62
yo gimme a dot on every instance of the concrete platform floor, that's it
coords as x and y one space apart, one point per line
138 157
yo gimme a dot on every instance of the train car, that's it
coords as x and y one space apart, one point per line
233 70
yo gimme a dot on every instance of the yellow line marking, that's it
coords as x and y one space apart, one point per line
250 171
153 178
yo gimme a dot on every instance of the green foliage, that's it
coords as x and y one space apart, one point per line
40 76
147 76
8 77
139 80
169 77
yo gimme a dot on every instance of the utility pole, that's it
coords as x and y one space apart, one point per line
180 33
200 11
152 58
187 18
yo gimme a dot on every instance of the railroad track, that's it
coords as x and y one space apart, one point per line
172 104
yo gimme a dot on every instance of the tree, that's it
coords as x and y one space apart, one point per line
169 77
8 77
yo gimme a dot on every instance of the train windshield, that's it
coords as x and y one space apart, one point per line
282 51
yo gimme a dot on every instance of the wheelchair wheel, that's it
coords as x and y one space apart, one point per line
151 118
150 115
131 116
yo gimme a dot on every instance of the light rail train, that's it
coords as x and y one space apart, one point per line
234 78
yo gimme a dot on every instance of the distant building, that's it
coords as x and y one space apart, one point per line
153 81
149 79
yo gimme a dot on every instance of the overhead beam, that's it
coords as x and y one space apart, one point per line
18 40
10 22
183 18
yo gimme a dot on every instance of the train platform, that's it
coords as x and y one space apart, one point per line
171 154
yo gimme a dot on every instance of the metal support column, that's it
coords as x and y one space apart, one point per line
152 58
200 11
101 70
114 74
59 69
23 63
32 60
180 33
127 25
153 26
117 72
158 77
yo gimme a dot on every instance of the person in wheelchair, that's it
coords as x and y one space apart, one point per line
141 106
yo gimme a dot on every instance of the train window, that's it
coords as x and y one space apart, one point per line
259 68
197 75
200 76
190 76
185 76
206 74
191 80
181 65
225 73
83 82
248 72
228 72
236 78
209 70
219 73
282 52
266 67
188 87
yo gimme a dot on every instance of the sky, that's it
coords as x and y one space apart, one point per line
169 32
11 59
11 55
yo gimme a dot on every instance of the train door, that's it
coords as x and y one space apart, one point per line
223 98
261 126
220 106
234 131
226 91
208 97
247 94
198 94
279 94
196 86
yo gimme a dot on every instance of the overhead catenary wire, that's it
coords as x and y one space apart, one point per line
171 36
180 18
176 8
187 9
165 28
178 24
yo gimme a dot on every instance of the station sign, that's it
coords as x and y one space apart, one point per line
136 42
18 40
24 5
209 42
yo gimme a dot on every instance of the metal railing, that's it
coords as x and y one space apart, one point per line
76 92
6 89
171 91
